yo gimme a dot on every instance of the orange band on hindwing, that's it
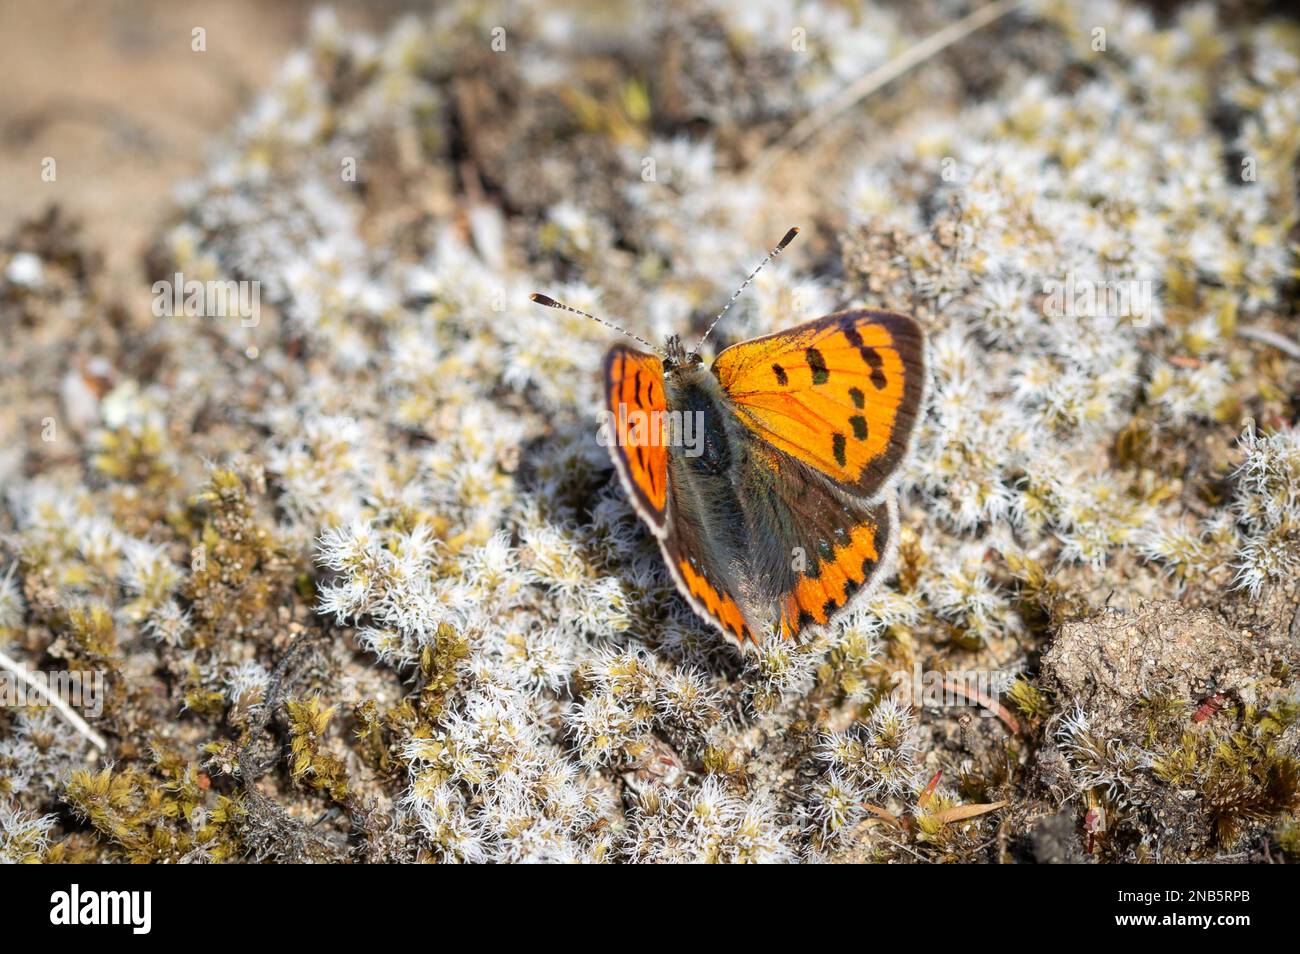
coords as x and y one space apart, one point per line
724 610
838 574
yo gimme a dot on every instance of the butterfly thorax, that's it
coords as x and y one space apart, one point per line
694 394
702 465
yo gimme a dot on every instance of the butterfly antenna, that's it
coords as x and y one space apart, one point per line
550 302
789 237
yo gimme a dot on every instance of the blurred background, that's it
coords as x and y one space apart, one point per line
114 91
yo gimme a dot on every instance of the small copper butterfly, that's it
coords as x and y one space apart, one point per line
782 515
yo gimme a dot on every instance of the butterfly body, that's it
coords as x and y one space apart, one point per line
693 391
776 514
710 480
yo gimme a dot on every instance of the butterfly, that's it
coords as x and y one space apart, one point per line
767 477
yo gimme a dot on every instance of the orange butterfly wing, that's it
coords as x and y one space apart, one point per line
634 395
850 566
634 430
704 585
842 393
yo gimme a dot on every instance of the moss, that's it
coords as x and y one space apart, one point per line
383 734
1046 598
1245 779
439 665
1287 836
91 639
165 813
135 458
311 764
725 762
238 571
1195 772
1029 700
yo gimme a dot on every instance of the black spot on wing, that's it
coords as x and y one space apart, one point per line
872 357
781 377
837 448
869 355
859 426
818 365
859 399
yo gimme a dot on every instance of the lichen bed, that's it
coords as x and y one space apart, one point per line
363 585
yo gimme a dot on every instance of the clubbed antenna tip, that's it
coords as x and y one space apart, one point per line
789 237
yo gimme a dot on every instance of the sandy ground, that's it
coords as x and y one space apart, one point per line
114 93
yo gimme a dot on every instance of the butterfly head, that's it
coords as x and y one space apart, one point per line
677 358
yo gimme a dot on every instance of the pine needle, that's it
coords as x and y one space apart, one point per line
863 87
1264 336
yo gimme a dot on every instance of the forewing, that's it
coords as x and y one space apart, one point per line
840 394
635 402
